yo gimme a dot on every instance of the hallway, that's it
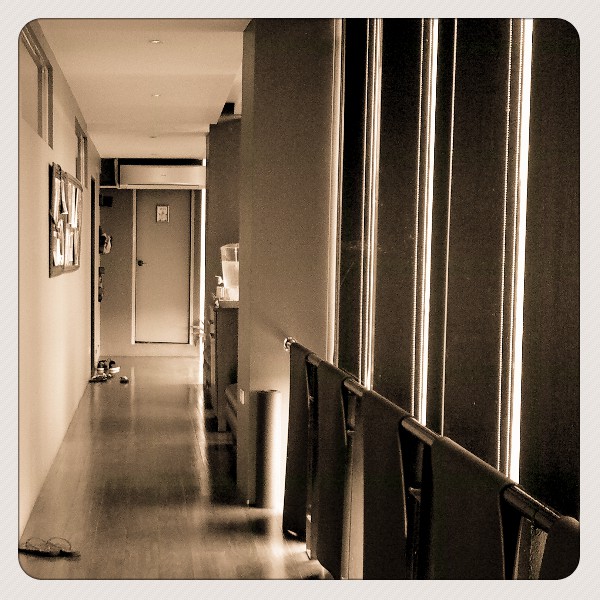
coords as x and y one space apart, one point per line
144 488
405 199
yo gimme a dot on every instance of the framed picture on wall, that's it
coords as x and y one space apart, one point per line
65 207
162 213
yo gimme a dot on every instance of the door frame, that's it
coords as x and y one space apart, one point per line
191 278
94 262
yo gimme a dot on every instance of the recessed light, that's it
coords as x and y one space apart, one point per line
155 41
156 95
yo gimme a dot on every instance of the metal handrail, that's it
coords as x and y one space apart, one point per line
539 514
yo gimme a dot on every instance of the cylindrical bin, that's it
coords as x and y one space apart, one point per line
268 434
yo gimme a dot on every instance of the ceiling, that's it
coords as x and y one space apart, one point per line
149 100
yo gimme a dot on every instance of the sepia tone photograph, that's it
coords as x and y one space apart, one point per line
299 299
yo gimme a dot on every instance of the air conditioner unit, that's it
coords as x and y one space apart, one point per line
162 176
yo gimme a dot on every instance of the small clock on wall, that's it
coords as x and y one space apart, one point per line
162 213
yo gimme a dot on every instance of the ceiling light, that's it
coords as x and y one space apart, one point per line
156 95
155 41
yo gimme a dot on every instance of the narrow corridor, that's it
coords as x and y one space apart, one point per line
144 488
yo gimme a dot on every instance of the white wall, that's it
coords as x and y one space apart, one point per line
54 313
285 198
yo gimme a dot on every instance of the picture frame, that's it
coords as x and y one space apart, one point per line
66 200
162 213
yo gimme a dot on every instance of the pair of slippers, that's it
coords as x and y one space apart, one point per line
105 370
105 367
53 547
104 377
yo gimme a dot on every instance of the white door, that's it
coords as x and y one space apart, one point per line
162 280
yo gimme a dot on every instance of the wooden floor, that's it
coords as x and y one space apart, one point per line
144 487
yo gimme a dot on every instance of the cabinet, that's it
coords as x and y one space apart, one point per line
223 356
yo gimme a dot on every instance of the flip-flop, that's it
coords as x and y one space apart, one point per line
55 546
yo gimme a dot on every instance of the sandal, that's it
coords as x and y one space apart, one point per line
55 546
99 378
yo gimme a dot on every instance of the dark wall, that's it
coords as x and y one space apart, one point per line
285 211
222 196
115 309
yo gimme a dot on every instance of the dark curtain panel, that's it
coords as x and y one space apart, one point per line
351 234
550 389
397 210
476 237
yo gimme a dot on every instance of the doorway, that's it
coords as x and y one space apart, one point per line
163 222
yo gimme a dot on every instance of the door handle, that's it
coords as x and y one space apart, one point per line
140 263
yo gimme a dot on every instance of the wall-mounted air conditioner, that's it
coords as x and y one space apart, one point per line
162 176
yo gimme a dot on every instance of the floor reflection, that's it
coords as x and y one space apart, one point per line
144 487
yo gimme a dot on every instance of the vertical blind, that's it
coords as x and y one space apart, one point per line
450 224
351 255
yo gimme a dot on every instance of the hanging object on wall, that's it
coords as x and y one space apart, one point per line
66 197
105 242
162 213
101 271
